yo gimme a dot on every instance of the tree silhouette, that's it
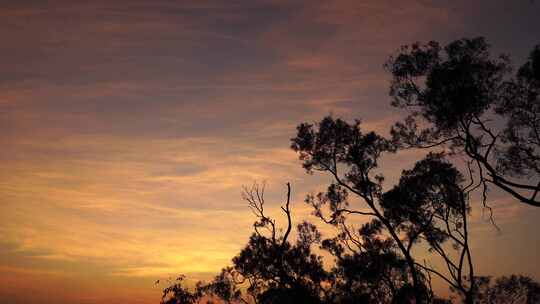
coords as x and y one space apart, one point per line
278 271
521 105
512 289
224 287
369 266
452 93
269 268
429 203
457 93
367 269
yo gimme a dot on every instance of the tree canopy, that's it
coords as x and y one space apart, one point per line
459 98
462 98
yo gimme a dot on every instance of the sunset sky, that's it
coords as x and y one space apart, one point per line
129 127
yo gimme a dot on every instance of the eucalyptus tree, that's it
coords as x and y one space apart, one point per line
462 98
269 269
452 94
514 289
430 204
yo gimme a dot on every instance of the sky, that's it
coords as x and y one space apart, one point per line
129 127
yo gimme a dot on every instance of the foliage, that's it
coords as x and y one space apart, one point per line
455 95
516 289
429 204
269 268
451 93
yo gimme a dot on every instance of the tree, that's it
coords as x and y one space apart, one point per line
514 289
429 204
455 94
452 95
223 287
521 104
277 271
367 268
270 268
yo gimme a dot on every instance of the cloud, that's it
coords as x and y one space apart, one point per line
129 127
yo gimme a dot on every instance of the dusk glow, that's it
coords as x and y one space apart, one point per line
130 127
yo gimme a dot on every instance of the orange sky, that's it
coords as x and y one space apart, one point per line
129 127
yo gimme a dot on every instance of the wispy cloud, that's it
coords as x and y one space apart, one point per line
129 127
